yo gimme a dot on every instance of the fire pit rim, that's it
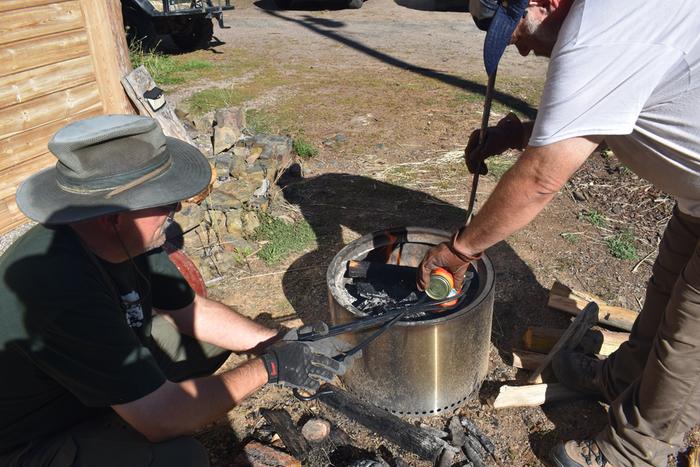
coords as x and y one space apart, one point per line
356 246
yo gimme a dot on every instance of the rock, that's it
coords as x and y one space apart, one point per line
341 138
274 146
579 195
253 154
250 222
202 123
190 216
233 242
222 201
238 165
222 165
217 220
255 454
229 126
316 430
262 190
362 120
234 223
261 204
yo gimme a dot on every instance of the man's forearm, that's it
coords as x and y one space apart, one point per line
177 409
215 323
523 192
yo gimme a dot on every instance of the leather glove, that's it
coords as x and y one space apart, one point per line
507 134
445 255
329 346
295 364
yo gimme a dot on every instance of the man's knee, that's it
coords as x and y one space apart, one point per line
185 451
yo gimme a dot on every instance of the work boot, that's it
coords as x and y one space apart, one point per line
578 454
579 372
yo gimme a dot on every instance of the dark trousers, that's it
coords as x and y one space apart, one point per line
108 441
653 380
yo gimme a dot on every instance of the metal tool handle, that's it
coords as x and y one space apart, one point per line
488 98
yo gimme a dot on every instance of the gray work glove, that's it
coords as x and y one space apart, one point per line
330 346
295 364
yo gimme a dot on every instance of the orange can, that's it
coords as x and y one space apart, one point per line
441 286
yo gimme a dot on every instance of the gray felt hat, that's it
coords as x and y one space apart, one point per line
109 164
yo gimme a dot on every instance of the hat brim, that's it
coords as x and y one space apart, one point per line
498 37
41 199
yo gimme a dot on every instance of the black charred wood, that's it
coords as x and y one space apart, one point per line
290 435
391 427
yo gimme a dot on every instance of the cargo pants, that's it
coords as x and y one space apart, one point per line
108 441
653 380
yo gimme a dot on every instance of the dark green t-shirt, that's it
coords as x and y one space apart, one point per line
71 343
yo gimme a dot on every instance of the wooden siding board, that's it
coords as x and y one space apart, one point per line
9 5
24 86
45 109
32 143
10 179
33 53
26 23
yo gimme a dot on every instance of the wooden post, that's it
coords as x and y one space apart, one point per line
110 53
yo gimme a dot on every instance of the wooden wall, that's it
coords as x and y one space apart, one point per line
60 61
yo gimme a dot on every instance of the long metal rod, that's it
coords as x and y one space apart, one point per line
482 138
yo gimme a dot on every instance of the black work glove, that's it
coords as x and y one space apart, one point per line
507 134
329 346
295 364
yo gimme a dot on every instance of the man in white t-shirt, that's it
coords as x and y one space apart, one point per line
627 72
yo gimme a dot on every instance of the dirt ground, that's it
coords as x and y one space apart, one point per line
389 94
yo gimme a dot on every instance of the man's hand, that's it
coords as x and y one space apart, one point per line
446 255
297 365
507 134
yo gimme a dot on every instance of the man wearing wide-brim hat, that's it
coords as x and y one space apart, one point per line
106 353
628 72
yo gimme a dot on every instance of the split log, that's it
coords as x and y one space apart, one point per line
534 395
572 301
596 341
571 337
694 457
526 360
283 425
136 84
255 454
391 427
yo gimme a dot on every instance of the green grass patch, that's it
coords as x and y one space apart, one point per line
282 239
203 101
259 121
595 218
621 245
572 237
304 149
165 69
498 165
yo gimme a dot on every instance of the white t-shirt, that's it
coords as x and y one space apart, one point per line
630 70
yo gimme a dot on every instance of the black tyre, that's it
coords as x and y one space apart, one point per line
140 30
195 34
355 4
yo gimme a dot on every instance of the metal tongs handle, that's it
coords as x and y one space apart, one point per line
488 98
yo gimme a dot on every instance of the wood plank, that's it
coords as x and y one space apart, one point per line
32 143
598 341
526 360
32 53
45 109
24 86
405 435
9 5
11 178
572 301
10 215
29 23
534 395
105 28
136 84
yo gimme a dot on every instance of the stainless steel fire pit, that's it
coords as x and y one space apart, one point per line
423 366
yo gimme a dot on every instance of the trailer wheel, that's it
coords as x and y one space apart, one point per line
197 34
140 30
